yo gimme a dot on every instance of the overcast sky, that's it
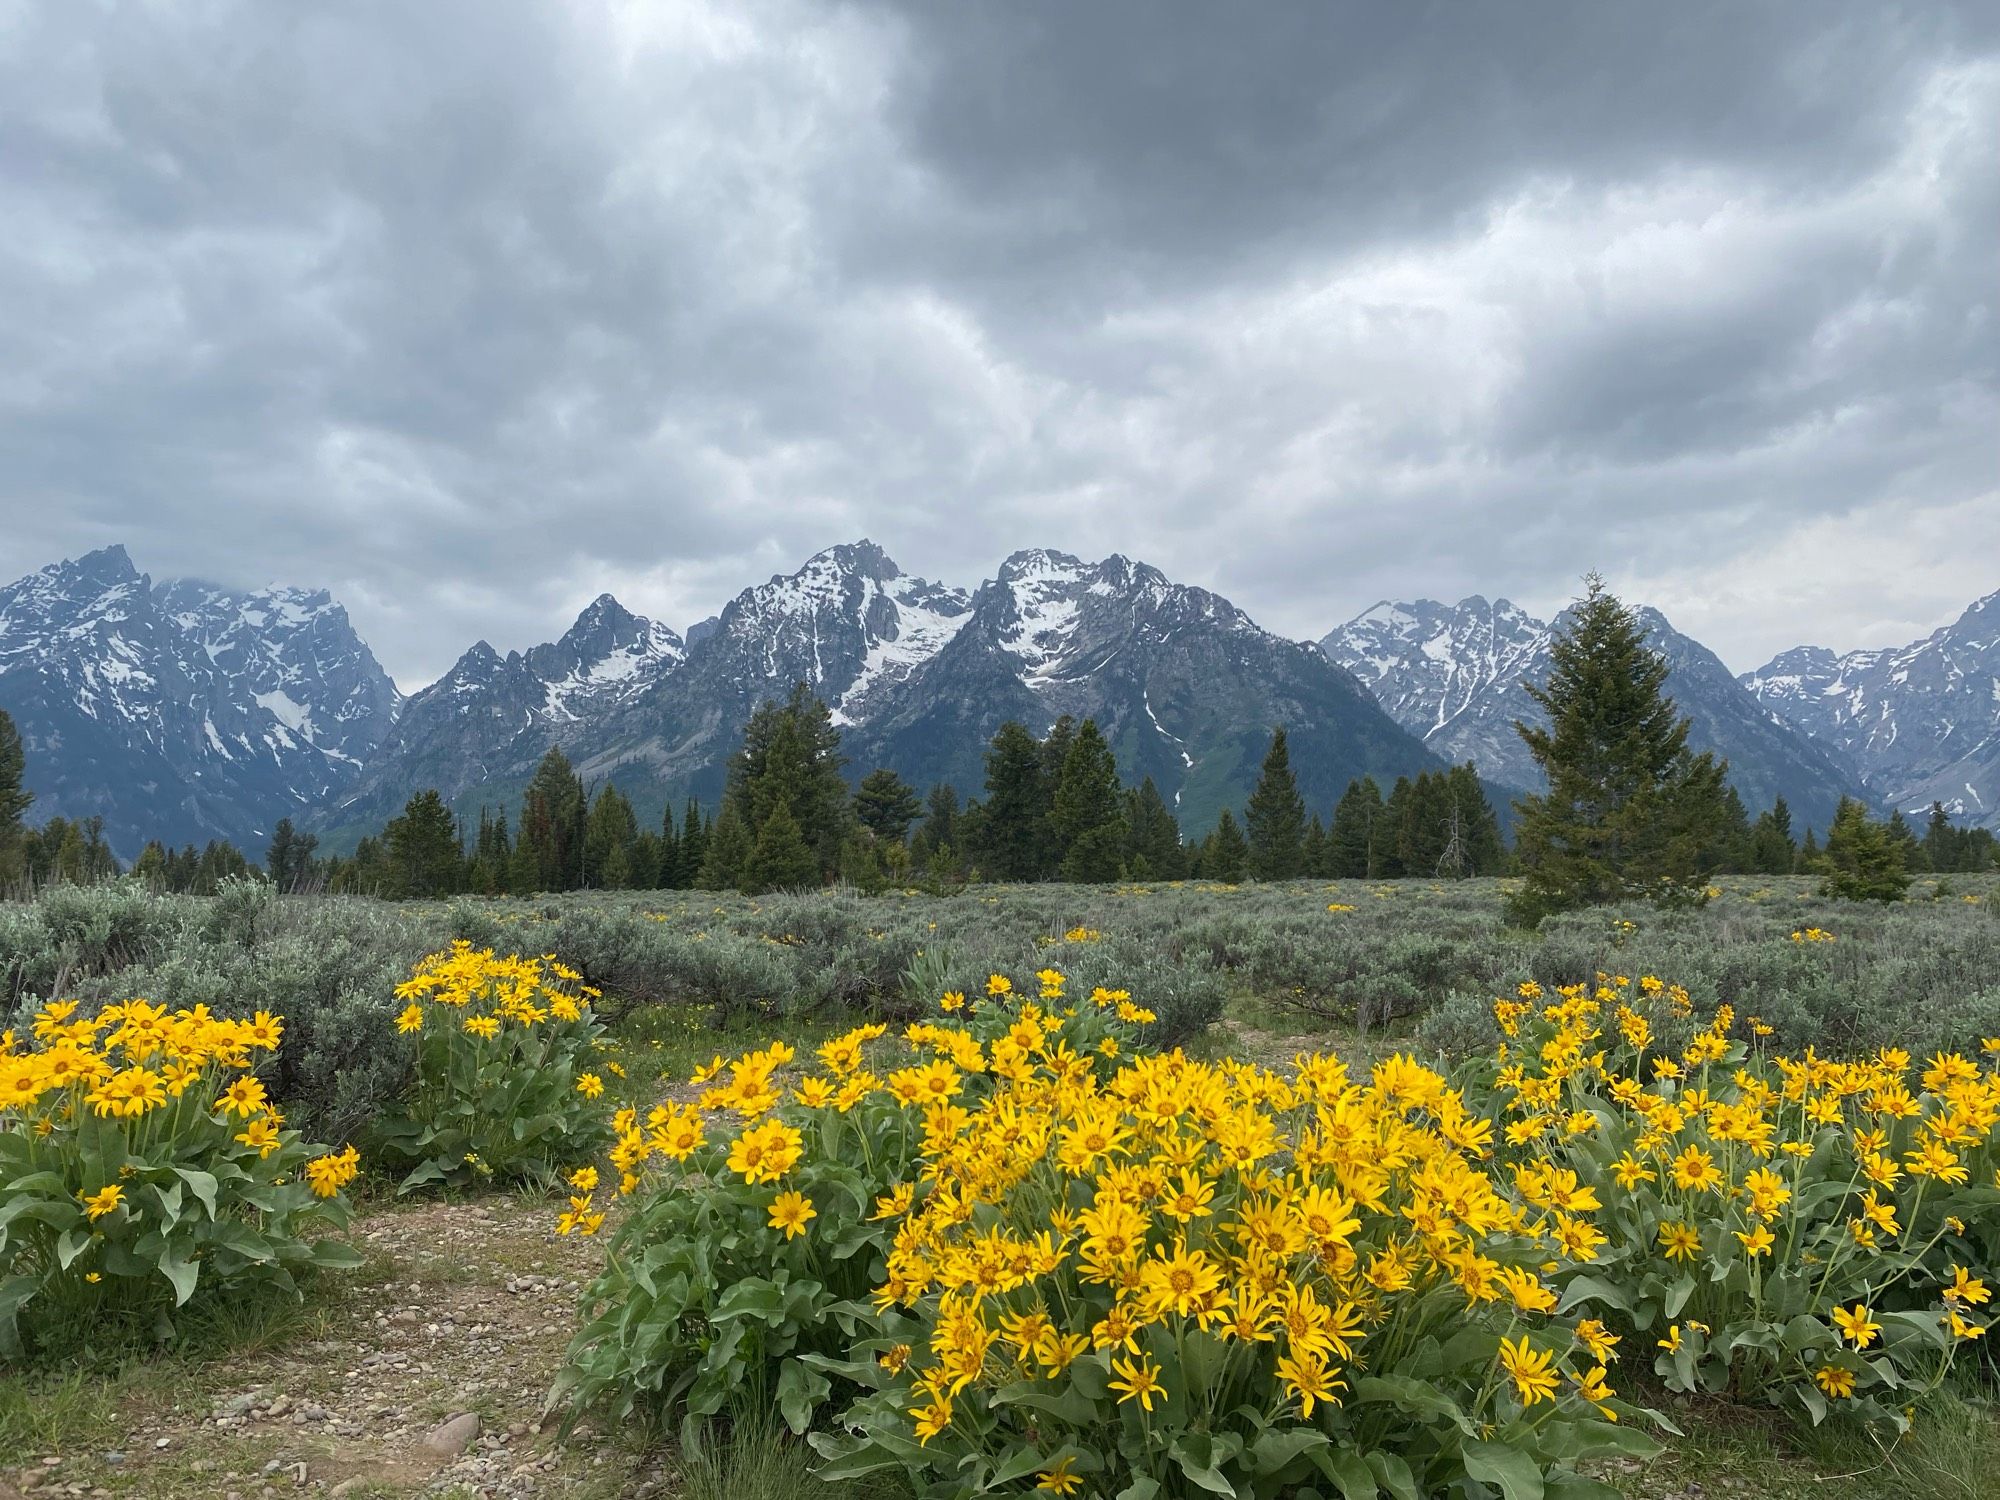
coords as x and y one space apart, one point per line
471 311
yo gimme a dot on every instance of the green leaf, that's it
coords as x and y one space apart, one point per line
1139 1489
800 1391
181 1272
1678 1294
1394 1475
1409 1395
75 1240
1594 1289
1195 1453
201 1184
1581 1489
1354 1479
1518 1476
1278 1448
752 1297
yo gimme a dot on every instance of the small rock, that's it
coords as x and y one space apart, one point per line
452 1437
280 1406
114 1457
346 1487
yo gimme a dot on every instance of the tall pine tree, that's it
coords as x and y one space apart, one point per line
1352 837
1086 815
1626 800
15 799
1014 817
1276 816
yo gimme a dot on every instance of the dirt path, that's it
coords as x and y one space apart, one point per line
462 1313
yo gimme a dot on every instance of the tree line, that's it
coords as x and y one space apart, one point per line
1629 809
1054 808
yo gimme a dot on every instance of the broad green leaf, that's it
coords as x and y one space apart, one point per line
1394 1475
201 1184
181 1272
1518 1476
1352 1477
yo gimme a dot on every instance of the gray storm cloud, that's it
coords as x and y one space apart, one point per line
469 312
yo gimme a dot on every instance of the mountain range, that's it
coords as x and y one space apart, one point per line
185 711
1452 674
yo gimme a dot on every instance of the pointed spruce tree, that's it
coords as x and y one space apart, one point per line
886 805
1086 815
1275 818
1626 797
1864 860
1225 855
1013 825
15 799
1353 833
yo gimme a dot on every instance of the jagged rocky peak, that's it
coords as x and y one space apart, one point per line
850 622
605 630
185 711
1922 721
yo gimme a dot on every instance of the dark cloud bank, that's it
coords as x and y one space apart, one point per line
470 311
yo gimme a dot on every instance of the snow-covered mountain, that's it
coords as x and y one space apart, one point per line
1185 686
1922 721
1454 673
485 723
918 676
186 711
183 712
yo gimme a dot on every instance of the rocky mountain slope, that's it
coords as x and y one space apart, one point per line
479 729
1922 721
184 712
1185 686
1453 674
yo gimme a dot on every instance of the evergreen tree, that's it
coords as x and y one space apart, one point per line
1086 815
645 854
667 858
695 833
1153 848
939 829
1014 816
781 859
1772 851
1352 836
1949 850
1938 841
886 805
1900 834
1312 850
1478 825
15 799
151 867
1393 832
1227 854
553 815
726 854
1808 855
425 856
1863 859
790 756
1276 816
1627 802
290 859
609 834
